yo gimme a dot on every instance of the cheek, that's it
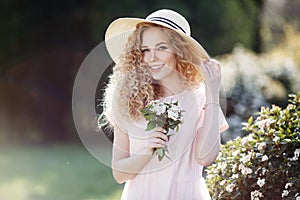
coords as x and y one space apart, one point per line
171 60
146 58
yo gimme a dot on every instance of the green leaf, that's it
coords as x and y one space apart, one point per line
143 112
250 120
161 122
151 125
169 134
160 153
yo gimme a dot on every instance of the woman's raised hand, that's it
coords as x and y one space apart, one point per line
212 78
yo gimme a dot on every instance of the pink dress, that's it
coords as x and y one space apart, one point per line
181 177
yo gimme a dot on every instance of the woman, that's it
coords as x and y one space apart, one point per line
159 60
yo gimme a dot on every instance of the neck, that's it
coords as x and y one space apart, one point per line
171 88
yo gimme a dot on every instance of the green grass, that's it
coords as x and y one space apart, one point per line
61 172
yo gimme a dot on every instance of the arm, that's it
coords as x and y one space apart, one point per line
126 166
208 136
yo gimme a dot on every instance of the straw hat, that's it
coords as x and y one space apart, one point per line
118 31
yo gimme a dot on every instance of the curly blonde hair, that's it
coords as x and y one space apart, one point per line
131 85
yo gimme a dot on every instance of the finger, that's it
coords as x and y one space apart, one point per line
161 136
157 145
159 141
159 129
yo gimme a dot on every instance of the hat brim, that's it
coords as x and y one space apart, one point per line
117 33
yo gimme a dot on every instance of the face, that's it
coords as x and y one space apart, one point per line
158 55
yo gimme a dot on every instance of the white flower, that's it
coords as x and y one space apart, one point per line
242 167
261 146
261 182
173 113
245 158
234 168
234 176
296 155
256 194
245 170
264 123
287 185
222 166
235 153
247 139
263 171
258 155
276 138
230 187
158 107
237 138
251 136
284 193
222 182
287 140
264 158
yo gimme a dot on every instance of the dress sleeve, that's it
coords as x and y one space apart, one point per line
115 120
201 98
223 125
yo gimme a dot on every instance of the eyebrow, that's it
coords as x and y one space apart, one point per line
155 45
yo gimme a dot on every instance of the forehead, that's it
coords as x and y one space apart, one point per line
153 35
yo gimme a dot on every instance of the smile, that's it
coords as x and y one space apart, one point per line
156 67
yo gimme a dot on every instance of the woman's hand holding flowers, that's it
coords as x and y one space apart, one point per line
161 116
157 139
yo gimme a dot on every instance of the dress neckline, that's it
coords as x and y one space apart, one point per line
175 96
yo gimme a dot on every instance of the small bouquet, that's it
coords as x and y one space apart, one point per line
163 114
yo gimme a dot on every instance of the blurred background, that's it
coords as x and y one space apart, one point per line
43 44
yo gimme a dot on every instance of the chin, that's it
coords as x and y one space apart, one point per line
157 77
160 76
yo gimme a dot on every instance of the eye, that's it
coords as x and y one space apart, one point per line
145 50
162 48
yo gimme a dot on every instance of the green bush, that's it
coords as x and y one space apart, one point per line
264 164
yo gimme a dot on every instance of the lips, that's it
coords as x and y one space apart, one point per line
156 66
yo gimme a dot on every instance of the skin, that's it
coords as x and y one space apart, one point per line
158 55
161 60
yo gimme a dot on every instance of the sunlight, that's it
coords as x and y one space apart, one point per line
22 189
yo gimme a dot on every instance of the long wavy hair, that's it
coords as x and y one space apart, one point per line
131 85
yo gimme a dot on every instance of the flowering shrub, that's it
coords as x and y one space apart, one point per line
264 164
254 80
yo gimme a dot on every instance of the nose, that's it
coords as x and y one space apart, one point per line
153 56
